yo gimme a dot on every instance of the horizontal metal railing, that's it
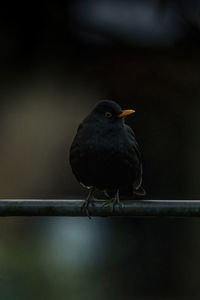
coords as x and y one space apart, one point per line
128 208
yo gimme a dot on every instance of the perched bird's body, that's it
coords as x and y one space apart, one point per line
104 153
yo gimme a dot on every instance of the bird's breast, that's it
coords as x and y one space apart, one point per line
103 159
103 165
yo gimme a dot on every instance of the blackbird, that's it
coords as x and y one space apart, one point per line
104 154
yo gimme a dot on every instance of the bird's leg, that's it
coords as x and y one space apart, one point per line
90 197
114 201
108 202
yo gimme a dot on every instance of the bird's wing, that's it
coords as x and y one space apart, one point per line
134 142
137 184
79 127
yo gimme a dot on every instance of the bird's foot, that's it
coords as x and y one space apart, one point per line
84 208
89 198
112 203
108 203
117 202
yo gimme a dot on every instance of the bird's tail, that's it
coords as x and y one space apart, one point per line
126 193
140 191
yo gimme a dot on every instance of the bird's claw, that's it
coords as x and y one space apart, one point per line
112 203
108 203
84 208
121 205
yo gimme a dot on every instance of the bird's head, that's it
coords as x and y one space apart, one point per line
110 111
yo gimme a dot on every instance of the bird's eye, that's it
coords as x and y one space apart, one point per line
108 114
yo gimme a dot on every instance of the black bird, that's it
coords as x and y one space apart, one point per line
105 153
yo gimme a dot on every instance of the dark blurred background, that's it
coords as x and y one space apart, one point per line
57 59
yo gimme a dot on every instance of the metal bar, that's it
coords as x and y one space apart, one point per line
128 208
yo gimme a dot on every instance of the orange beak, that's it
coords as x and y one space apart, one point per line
126 113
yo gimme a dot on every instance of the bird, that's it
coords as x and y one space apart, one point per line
105 155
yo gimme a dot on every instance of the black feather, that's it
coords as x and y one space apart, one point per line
105 153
